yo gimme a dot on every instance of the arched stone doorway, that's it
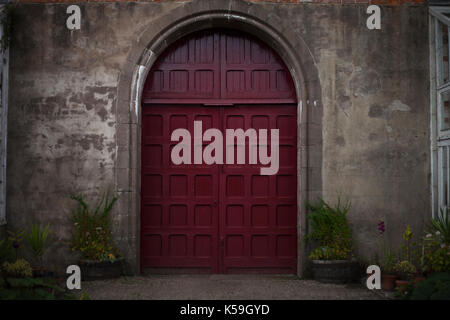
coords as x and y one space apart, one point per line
226 216
154 40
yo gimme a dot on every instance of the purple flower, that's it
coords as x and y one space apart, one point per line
381 227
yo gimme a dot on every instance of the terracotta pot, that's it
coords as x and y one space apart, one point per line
388 281
418 278
401 285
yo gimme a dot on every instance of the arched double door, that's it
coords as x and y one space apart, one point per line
218 218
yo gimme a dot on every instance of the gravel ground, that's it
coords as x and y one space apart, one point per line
222 287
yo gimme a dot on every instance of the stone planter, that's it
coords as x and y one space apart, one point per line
98 270
43 273
334 271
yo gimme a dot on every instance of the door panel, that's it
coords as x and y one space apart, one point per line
258 213
179 219
220 66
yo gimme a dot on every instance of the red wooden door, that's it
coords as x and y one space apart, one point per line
222 217
258 213
179 214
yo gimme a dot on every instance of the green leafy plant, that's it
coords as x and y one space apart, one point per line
388 260
85 296
435 287
388 257
92 234
6 251
330 229
407 247
32 289
38 241
436 244
18 269
437 255
411 251
329 253
17 283
419 258
405 269
404 292
441 225
15 238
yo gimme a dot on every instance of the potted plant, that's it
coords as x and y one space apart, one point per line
92 238
405 271
17 269
38 240
386 262
331 260
414 254
17 283
421 266
7 253
388 275
15 240
436 244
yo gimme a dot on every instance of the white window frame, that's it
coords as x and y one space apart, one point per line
440 139
444 148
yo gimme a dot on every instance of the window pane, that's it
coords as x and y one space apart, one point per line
445 110
444 176
442 47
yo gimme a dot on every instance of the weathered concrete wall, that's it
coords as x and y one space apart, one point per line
62 121
376 119
64 89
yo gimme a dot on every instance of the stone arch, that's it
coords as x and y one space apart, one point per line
156 37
